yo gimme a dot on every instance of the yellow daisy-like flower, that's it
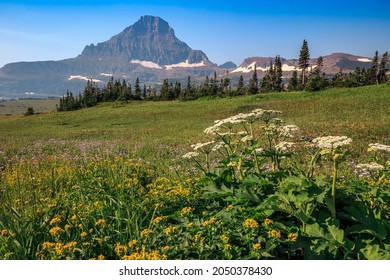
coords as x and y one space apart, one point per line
185 211
274 233
292 237
132 243
250 223
100 222
256 246
56 231
57 219
146 231
170 229
166 248
224 238
101 257
67 226
83 234
120 250
4 232
229 207
158 219
267 222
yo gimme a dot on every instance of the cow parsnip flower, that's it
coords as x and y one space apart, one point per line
332 142
378 147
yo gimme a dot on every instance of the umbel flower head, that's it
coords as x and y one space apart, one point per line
372 166
379 147
332 142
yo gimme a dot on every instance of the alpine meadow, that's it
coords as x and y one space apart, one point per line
290 175
274 159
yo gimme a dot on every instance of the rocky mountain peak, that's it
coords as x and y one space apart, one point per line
149 39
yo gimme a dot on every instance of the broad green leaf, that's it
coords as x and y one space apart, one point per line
374 252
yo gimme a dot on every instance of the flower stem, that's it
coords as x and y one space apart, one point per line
333 194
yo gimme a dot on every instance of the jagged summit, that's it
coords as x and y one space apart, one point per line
149 39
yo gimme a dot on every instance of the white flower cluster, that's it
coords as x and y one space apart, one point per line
284 146
257 114
205 148
288 131
332 142
379 147
372 166
190 155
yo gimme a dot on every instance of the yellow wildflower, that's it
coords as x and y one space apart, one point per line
132 243
67 226
56 231
250 223
158 219
267 222
59 248
170 229
120 250
227 247
229 207
57 219
224 238
100 222
185 211
209 222
83 234
256 246
96 203
47 245
146 231
101 257
4 232
166 248
70 245
189 225
292 237
274 233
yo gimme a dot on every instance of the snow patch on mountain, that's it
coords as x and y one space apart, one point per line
363 59
251 67
185 64
83 78
147 64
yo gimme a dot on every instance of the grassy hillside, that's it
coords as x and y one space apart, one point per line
361 113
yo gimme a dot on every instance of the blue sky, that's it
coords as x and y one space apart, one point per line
224 30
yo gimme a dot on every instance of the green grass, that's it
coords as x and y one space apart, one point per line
19 107
361 113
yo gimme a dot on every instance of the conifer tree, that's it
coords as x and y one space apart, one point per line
240 87
372 72
278 74
303 61
293 82
253 83
383 68
137 90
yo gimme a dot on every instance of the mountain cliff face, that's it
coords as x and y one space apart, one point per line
149 39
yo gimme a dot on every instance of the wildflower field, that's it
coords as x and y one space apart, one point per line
271 176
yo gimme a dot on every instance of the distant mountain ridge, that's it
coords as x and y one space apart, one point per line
148 50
